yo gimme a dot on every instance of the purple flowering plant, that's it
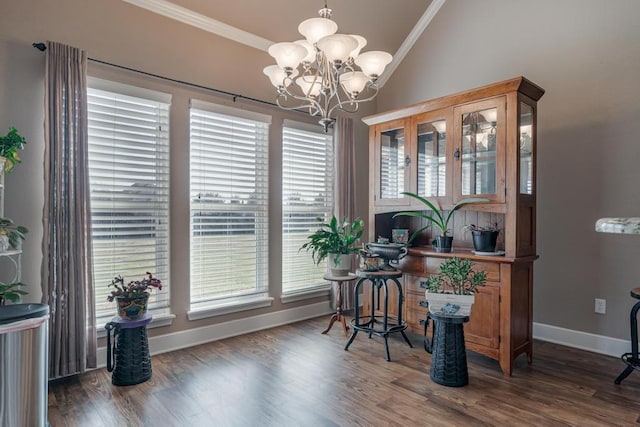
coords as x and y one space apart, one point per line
135 288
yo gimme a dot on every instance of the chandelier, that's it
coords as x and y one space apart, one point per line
325 72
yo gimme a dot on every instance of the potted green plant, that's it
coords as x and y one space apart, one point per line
334 239
9 146
11 235
132 297
11 292
484 237
451 290
442 242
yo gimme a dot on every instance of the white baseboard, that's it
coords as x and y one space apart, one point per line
191 337
218 331
582 340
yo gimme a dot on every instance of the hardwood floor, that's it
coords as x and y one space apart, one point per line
295 376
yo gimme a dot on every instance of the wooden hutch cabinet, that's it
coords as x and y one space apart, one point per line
478 143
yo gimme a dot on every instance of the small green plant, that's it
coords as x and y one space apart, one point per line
438 218
456 276
9 146
11 292
339 238
15 233
135 288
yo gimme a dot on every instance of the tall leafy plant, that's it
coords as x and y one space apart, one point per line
9 146
339 238
438 218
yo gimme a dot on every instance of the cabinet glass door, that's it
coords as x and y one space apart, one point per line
432 156
391 164
526 148
480 155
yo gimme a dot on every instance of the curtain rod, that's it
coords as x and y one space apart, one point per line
42 47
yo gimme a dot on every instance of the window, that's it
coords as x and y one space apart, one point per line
307 193
128 132
229 205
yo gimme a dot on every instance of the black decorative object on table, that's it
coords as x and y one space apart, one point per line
448 351
129 358
381 325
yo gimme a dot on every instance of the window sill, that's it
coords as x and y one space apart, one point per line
320 291
230 307
158 321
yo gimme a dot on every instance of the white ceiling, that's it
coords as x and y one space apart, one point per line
388 25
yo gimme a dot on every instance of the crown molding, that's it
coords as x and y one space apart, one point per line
411 39
187 16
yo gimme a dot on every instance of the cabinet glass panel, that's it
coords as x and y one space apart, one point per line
479 152
392 163
432 141
526 149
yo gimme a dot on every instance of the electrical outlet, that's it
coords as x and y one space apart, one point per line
601 306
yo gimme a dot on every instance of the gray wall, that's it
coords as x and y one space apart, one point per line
586 54
117 32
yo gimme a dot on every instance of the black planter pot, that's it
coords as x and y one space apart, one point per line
485 241
443 243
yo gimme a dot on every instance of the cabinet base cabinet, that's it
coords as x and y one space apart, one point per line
500 325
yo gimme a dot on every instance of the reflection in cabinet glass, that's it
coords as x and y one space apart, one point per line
392 163
479 152
432 142
526 149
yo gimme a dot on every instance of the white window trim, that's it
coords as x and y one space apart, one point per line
309 293
230 306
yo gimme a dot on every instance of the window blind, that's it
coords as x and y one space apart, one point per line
129 183
307 193
229 206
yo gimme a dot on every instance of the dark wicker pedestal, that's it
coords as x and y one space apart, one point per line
449 357
130 354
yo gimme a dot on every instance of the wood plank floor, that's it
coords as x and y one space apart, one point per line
294 376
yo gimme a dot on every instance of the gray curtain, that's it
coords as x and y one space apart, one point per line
66 265
344 184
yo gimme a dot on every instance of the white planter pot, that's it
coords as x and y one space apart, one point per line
458 305
343 265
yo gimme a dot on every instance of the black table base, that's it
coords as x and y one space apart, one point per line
448 351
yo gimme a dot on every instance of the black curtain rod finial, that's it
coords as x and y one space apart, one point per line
40 46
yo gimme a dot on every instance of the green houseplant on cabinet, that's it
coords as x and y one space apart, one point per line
9 146
334 241
443 242
484 237
451 290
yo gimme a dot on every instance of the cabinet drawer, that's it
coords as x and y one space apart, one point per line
412 284
414 319
415 300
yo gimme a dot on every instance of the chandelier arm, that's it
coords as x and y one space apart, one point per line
355 102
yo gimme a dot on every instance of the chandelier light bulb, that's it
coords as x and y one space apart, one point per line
362 42
311 51
314 29
353 82
277 75
310 86
337 47
373 63
287 54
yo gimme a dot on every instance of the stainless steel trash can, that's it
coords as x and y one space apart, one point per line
24 353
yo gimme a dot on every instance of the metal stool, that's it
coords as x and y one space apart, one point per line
631 359
130 353
389 324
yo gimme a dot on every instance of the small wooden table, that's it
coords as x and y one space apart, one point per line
338 314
